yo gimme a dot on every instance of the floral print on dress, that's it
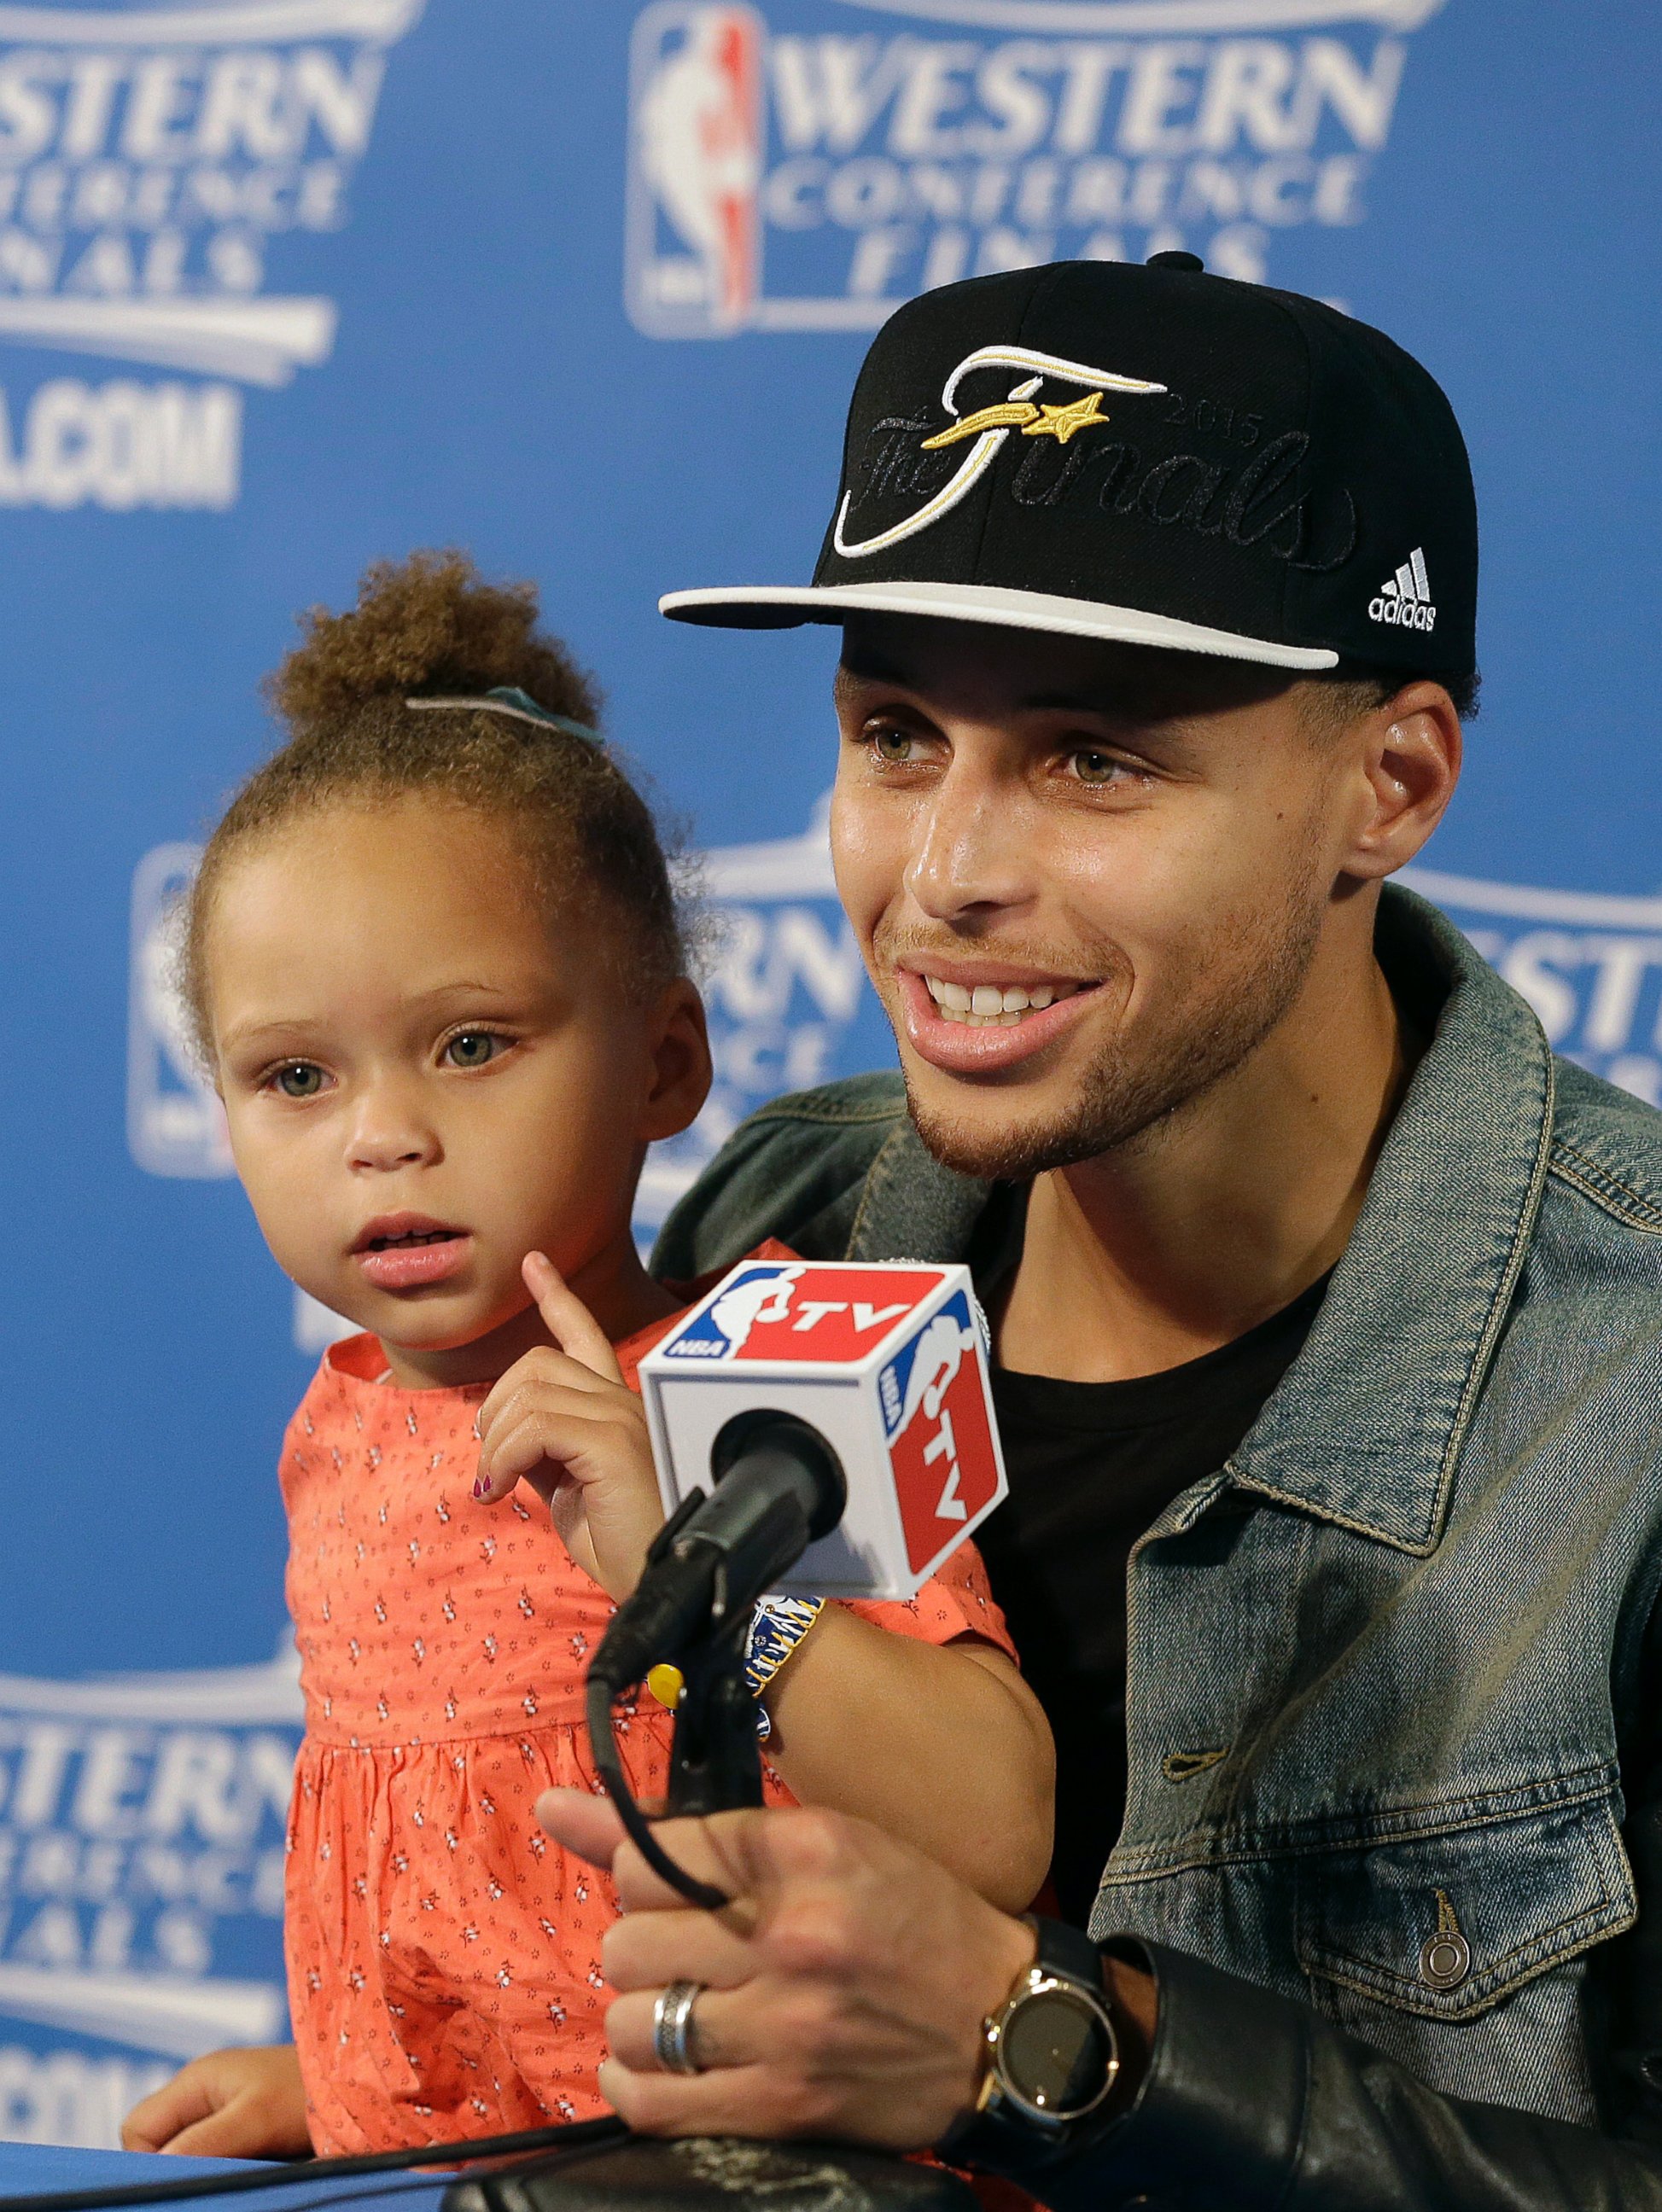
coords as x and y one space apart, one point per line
444 1963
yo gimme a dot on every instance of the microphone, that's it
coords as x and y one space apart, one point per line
788 1370
844 1414
779 1485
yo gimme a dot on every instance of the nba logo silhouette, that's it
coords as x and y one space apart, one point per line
695 167
175 1123
943 1447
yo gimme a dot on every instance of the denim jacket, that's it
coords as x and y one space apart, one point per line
1394 1798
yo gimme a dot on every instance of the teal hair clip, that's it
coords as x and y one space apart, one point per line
509 699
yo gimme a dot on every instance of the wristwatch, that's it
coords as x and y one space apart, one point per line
1051 2059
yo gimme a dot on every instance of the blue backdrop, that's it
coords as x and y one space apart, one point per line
286 284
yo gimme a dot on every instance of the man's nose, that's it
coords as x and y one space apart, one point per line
389 1130
971 847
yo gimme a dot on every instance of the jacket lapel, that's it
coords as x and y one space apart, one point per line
1366 1426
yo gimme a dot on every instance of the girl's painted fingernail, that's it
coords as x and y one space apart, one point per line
480 1488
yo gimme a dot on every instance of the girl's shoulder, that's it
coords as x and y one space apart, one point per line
353 1410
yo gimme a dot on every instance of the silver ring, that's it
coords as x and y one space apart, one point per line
672 2028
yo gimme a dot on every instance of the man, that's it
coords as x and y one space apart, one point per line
1326 1305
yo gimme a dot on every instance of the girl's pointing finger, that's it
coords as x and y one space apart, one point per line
568 1320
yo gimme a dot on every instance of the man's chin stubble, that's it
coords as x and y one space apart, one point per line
1119 1107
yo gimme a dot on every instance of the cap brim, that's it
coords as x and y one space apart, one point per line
786 606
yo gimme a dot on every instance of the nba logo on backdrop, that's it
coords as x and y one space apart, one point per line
175 1123
811 177
697 164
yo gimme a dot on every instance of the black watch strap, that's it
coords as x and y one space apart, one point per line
1000 2139
1067 1951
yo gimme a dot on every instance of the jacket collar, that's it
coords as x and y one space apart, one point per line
1365 1427
912 1207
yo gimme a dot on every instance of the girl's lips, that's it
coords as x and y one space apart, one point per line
959 1051
412 1266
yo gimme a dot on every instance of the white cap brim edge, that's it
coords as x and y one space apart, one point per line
785 606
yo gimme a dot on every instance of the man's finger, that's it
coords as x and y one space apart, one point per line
568 1321
735 2100
732 1851
723 2034
585 1824
648 1950
729 1851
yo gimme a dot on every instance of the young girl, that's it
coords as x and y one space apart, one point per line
433 960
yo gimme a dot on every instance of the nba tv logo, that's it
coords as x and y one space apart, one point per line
697 143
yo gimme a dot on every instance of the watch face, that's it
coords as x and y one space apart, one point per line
1055 2053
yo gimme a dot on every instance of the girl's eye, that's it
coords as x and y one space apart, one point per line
1093 767
474 1049
302 1078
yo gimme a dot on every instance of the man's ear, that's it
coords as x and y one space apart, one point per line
681 1070
1410 764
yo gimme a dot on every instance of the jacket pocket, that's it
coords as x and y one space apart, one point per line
1445 1924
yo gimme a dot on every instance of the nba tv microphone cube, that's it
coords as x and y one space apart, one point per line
888 1360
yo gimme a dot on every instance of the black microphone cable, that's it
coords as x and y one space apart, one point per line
299 2173
609 1765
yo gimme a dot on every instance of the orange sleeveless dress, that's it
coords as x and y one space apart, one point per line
443 1955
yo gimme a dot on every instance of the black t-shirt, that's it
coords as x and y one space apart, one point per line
1092 1466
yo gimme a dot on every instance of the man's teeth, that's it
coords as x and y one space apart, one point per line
987 1006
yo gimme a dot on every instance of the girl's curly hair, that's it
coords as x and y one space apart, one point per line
429 627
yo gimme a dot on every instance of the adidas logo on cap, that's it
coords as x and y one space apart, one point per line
1404 599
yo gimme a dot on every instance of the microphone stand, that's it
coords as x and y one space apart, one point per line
714 1767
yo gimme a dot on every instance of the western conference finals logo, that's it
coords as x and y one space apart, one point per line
141 1828
790 180
167 174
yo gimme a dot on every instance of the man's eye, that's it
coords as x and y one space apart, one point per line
895 748
1093 767
474 1049
301 1078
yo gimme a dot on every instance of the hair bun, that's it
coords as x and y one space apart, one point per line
428 623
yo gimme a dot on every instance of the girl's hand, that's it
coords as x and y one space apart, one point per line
565 1421
232 2103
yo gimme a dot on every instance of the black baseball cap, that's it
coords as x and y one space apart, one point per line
1152 454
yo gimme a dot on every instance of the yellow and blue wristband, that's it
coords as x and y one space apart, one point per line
777 1627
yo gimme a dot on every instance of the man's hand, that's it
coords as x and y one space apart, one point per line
564 1421
232 2103
845 1986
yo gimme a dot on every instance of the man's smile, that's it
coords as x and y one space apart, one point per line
974 1017
981 1004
